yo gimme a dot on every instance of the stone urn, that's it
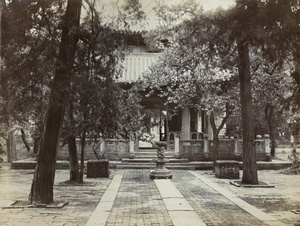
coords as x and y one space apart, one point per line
161 172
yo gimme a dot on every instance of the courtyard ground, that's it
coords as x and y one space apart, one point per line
130 197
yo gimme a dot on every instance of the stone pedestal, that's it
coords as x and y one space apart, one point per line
98 168
227 169
161 172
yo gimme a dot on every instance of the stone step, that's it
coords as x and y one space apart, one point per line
153 152
153 166
198 165
151 156
143 160
135 166
148 148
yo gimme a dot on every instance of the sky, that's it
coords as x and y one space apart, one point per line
110 11
213 4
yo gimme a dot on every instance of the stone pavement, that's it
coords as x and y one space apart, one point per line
130 197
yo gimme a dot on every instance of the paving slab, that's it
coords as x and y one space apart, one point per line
177 204
101 213
179 210
167 189
186 218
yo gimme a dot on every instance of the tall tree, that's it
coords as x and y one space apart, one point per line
43 181
28 42
267 28
249 153
273 88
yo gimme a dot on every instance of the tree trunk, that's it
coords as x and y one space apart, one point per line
216 130
42 185
25 140
73 159
11 147
215 153
36 146
74 166
269 112
249 154
83 138
247 9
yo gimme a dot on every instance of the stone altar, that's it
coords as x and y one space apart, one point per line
161 172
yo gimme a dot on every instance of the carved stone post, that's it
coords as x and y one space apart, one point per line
236 148
176 143
131 147
267 147
206 146
161 172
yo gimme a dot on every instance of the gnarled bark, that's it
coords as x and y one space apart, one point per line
43 181
249 154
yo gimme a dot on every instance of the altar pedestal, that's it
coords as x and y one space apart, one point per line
161 172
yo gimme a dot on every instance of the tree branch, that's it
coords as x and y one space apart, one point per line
24 140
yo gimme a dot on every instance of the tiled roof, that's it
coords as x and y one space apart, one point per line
135 64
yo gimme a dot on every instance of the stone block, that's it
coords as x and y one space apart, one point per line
227 169
98 168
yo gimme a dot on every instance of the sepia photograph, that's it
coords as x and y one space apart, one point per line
149 112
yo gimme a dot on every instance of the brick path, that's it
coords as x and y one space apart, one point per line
211 206
137 201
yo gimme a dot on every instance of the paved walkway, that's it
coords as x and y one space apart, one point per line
130 197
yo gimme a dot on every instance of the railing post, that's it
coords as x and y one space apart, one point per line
102 147
267 148
205 148
176 145
131 147
236 148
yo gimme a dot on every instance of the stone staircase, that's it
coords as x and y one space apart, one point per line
145 158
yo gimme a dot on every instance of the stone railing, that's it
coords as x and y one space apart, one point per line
193 149
229 149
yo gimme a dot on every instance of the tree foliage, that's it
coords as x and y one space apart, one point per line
29 47
194 71
255 39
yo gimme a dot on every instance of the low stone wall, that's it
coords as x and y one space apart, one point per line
193 150
229 149
113 149
63 152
